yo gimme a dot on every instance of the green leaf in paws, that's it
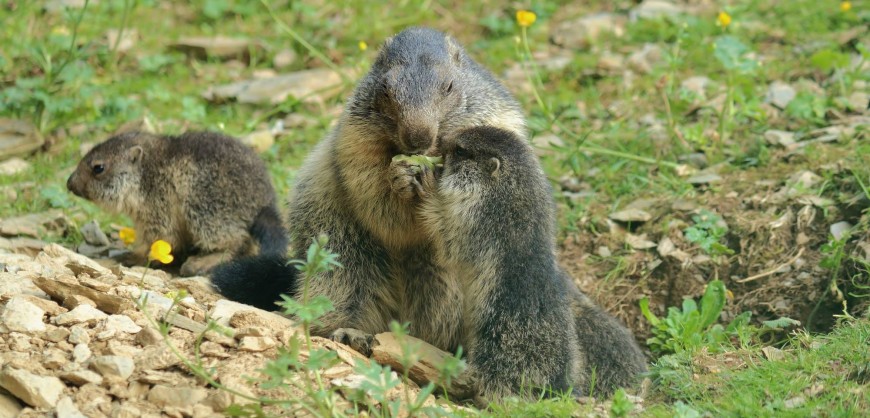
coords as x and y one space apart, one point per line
420 160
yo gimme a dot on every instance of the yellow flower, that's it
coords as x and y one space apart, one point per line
128 235
161 251
525 18
724 19
363 45
845 6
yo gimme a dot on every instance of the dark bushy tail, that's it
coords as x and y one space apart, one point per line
268 230
256 281
609 347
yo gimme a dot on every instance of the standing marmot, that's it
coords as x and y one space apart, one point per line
422 86
205 193
492 217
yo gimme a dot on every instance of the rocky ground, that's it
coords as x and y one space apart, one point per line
80 339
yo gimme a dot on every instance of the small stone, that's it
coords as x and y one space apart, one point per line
149 336
256 344
260 141
631 216
795 402
79 334
76 262
9 406
696 159
840 229
666 247
82 377
781 138
121 41
219 46
56 334
644 60
81 314
604 252
697 85
178 397
312 86
93 235
859 101
54 359
13 166
773 353
284 58
802 181
113 367
74 301
156 358
19 342
581 33
122 323
66 408
780 94
639 242
653 9
36 391
704 178
22 316
610 62
81 353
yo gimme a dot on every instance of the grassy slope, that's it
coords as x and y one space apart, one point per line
100 90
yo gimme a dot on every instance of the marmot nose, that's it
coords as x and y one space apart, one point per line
416 139
71 186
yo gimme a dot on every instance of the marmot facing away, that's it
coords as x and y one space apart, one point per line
205 193
422 86
492 218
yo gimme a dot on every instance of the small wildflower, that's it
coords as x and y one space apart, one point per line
363 45
127 235
161 251
845 6
525 18
724 19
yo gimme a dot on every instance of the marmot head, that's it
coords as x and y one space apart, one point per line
415 84
485 154
109 175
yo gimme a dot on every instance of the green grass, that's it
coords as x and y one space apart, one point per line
825 375
58 72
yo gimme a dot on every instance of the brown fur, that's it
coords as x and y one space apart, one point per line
201 192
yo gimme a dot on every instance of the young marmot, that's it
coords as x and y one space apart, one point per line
492 218
205 193
422 86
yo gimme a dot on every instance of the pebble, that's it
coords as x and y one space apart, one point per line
113 367
22 316
178 397
631 215
780 94
81 314
36 391
82 377
81 353
66 408
121 323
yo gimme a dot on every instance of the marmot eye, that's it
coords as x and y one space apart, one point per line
98 168
462 153
449 88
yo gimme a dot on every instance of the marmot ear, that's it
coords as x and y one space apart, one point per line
454 49
134 154
494 166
